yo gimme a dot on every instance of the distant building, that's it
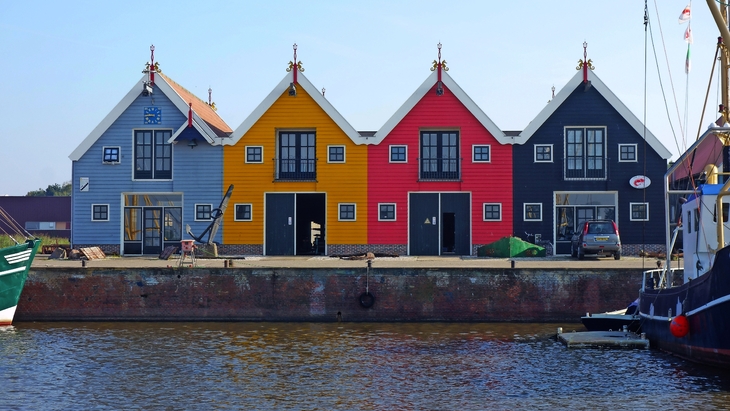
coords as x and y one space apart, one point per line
49 216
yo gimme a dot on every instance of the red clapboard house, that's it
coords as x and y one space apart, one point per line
440 174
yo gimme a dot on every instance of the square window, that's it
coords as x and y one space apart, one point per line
100 212
254 154
639 211
481 154
347 212
627 152
111 155
398 154
335 154
202 212
242 212
533 212
543 153
492 212
386 212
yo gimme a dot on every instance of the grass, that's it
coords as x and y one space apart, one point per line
5 241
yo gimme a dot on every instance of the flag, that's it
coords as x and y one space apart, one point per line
688 35
685 16
687 63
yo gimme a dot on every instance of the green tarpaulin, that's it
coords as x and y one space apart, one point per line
507 247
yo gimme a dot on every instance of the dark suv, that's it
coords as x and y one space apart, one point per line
597 237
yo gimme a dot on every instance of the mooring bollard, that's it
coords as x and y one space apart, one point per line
512 263
225 263
83 263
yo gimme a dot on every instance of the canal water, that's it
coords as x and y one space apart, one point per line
337 366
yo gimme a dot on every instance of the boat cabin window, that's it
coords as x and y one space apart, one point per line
689 222
725 208
697 220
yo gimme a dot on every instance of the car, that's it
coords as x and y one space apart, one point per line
599 237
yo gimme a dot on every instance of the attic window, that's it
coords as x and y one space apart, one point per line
111 155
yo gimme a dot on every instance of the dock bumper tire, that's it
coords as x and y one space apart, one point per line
367 299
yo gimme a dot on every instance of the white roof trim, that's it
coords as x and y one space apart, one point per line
280 88
197 126
421 91
614 101
122 106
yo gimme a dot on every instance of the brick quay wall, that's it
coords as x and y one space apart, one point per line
323 294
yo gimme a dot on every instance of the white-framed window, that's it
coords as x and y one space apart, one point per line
254 154
543 153
348 212
627 153
100 212
639 211
492 212
335 154
398 154
532 212
481 154
152 155
585 153
386 211
242 212
111 155
203 212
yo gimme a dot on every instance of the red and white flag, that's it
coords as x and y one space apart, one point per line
685 16
688 35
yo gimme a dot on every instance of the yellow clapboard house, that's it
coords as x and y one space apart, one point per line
300 176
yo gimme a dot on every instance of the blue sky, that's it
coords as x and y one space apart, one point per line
65 65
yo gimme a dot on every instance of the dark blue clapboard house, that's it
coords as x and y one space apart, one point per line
586 156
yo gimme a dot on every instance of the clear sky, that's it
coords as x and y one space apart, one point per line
66 64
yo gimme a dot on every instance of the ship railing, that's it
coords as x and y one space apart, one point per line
660 278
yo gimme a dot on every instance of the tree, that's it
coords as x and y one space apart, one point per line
54 190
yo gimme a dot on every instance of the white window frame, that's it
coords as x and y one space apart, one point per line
119 155
344 154
339 212
631 212
636 153
524 211
245 155
473 153
484 212
395 212
390 157
250 212
203 219
552 153
92 212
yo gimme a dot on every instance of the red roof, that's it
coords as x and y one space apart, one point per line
204 111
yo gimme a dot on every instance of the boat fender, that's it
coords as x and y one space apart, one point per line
679 327
367 299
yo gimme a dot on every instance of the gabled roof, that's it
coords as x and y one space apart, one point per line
453 88
596 83
282 87
205 119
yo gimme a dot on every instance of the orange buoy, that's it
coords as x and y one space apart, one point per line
679 326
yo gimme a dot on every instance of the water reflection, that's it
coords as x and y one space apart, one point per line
388 366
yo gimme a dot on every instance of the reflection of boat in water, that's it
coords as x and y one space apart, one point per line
15 261
614 320
687 311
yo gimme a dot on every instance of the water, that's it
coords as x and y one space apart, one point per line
337 366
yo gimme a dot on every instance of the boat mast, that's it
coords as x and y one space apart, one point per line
720 16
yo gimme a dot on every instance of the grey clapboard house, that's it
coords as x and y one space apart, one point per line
153 165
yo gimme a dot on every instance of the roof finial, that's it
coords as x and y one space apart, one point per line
210 99
322 91
585 64
295 64
152 65
438 66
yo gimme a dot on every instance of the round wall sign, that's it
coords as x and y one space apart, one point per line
640 182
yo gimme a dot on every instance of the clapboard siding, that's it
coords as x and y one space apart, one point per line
391 182
197 173
536 182
341 182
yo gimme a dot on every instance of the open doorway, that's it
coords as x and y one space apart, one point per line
448 241
310 223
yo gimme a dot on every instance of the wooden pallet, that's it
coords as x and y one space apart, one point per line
92 253
167 252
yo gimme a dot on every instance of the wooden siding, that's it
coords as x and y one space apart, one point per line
341 182
536 182
487 182
196 172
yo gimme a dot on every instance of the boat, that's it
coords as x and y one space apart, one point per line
15 261
685 308
624 319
